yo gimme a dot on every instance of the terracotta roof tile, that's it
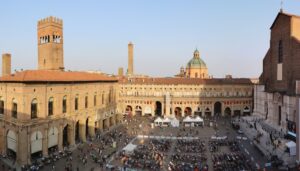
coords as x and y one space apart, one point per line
191 81
56 76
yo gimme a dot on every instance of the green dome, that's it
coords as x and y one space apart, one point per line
196 63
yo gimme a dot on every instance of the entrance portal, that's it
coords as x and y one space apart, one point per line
158 108
217 108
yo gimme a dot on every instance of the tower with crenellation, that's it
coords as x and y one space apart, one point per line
50 44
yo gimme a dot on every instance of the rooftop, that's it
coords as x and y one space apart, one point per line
191 81
29 76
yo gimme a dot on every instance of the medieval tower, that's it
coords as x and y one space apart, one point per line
50 44
130 59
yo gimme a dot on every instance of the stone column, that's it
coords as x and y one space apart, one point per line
298 130
45 143
91 126
82 132
3 140
23 147
71 134
60 137
100 123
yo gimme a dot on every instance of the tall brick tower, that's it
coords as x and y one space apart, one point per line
6 64
50 44
130 59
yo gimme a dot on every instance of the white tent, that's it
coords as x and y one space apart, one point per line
174 122
129 148
198 119
292 147
158 121
188 119
166 120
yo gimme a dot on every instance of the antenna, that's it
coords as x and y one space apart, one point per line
281 5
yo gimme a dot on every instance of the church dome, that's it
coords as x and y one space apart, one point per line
196 62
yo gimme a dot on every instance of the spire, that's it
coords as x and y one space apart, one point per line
281 6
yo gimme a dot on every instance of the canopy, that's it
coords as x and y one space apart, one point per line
198 119
158 120
292 147
166 120
188 119
129 148
175 122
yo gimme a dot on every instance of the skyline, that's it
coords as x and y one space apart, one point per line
164 34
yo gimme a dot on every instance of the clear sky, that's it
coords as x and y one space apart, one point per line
232 36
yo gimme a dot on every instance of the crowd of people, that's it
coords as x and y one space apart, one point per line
231 162
146 157
190 146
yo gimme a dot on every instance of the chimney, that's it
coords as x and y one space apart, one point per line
6 64
120 72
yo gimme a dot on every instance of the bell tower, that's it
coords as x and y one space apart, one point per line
50 44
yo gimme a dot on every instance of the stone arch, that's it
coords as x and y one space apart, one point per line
67 135
138 110
207 112
227 111
198 111
11 144
128 110
178 112
217 108
187 111
52 138
158 108
36 144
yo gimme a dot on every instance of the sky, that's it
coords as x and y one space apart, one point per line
232 36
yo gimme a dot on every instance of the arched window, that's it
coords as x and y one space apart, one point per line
64 104
86 102
14 109
196 75
34 108
50 106
280 52
76 102
1 106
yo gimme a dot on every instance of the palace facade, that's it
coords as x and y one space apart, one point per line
185 96
49 107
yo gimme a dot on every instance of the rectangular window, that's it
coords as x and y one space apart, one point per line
86 102
76 103
102 98
95 100
64 109
1 107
